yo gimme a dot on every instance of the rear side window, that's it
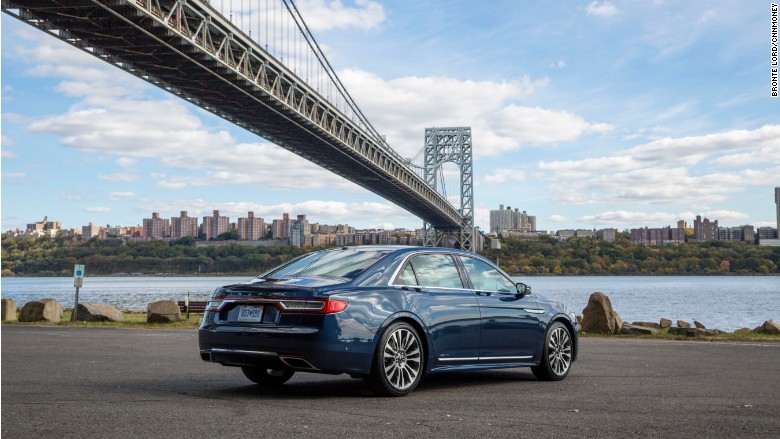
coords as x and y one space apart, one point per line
406 276
436 270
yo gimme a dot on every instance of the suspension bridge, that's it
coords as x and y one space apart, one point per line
258 66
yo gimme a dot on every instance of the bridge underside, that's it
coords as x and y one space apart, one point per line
119 33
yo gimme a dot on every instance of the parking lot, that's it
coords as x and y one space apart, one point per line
73 382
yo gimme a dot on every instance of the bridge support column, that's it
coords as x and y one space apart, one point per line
451 145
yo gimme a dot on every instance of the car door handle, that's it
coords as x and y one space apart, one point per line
482 293
534 310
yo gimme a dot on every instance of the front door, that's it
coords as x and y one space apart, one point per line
510 327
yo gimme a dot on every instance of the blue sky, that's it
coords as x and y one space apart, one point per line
586 114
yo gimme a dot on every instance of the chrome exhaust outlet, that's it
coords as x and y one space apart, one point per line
297 363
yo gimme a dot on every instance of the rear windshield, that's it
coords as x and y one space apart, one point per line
336 263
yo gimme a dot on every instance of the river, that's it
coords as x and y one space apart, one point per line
722 302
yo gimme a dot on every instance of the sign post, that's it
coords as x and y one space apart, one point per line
78 281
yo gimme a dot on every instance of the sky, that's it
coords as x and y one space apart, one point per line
586 114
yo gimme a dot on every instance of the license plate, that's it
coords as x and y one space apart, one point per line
247 313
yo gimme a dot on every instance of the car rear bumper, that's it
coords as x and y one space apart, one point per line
340 346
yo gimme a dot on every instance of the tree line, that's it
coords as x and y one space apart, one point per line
588 256
577 256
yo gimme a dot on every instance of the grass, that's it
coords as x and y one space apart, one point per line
138 320
665 335
132 320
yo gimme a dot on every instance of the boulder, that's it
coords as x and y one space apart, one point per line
698 324
89 312
742 331
8 310
598 316
648 325
618 322
683 324
665 323
45 309
769 327
163 311
634 329
579 320
693 332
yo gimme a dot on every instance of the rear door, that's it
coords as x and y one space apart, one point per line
510 327
451 311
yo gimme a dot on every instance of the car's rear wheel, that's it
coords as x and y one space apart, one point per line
267 377
398 362
557 354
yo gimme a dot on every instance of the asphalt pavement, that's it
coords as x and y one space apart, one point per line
65 382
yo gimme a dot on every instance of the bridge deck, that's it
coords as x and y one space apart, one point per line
128 36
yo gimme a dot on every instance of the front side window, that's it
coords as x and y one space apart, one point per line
486 278
436 270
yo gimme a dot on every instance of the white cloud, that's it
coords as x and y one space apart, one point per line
119 195
7 141
502 176
321 15
693 149
625 217
603 9
402 108
721 215
556 218
120 176
558 65
706 17
8 154
126 162
14 175
98 209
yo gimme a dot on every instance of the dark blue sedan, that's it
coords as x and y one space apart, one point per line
389 315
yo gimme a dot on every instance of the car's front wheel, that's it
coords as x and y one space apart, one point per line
398 362
557 354
267 377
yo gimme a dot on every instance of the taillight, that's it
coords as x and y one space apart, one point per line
328 306
333 306
213 305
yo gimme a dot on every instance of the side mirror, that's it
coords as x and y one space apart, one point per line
522 290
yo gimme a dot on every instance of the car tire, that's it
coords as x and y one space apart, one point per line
267 377
557 354
398 361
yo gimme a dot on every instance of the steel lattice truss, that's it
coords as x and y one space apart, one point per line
190 50
444 145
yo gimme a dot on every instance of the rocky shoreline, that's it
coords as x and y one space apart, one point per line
599 317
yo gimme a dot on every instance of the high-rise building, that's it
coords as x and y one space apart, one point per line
90 231
503 220
215 225
156 227
183 225
777 208
300 232
705 230
44 225
251 228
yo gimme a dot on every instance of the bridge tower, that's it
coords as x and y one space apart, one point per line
453 145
